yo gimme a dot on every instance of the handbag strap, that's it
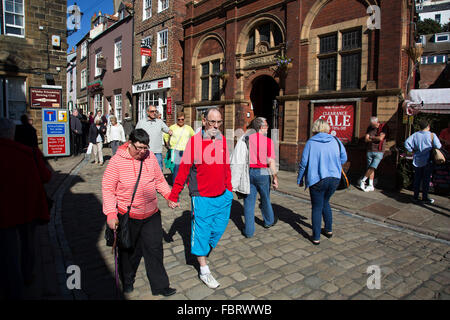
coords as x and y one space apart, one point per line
339 145
136 185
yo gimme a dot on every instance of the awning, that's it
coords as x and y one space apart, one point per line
428 101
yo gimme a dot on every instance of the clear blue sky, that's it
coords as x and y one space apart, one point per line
87 7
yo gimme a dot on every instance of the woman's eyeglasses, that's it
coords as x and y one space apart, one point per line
140 148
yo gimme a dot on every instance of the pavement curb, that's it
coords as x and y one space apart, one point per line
387 220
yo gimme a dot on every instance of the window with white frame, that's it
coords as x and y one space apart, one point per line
146 42
163 5
98 103
98 71
162 46
154 98
83 78
147 9
15 97
118 54
118 107
13 18
84 50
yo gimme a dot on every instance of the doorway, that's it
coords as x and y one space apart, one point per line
263 97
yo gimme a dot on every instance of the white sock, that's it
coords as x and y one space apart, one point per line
204 269
364 179
371 182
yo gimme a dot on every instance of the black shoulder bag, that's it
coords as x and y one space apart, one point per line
124 240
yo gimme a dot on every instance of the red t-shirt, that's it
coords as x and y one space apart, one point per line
261 149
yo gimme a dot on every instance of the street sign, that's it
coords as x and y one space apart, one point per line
55 132
45 98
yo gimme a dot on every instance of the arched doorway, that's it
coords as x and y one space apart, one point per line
263 97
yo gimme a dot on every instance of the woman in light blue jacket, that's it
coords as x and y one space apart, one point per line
321 165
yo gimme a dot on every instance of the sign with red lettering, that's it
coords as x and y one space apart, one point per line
45 98
169 105
340 118
146 52
56 145
160 84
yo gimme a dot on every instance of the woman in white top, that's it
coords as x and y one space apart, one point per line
115 134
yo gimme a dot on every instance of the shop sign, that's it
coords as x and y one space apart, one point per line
169 105
45 98
340 118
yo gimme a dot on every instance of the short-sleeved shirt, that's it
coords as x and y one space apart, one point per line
261 148
374 132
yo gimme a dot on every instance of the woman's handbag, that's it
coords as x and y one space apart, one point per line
124 240
344 183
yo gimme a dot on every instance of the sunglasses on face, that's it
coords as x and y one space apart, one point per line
180 119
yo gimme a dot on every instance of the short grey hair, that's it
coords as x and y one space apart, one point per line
150 105
258 122
208 111
373 120
7 129
320 125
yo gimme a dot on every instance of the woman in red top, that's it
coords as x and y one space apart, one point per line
145 226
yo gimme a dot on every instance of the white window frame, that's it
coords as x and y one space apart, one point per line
162 50
118 107
14 25
18 99
144 58
84 49
83 78
98 71
163 5
118 54
146 4
98 103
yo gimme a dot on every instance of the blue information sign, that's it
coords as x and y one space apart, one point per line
50 115
56 129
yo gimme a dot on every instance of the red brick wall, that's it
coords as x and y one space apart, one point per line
429 74
338 11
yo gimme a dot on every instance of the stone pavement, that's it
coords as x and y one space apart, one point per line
277 263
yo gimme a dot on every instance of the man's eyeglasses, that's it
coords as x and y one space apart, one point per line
213 122
140 148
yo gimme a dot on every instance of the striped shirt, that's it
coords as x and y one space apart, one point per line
120 178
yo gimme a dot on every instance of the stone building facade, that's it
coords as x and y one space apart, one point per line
157 78
33 50
82 74
292 61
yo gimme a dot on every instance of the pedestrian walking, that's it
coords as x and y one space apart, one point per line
26 133
128 125
85 128
24 204
134 161
421 143
97 134
91 118
115 134
375 139
102 117
76 132
205 164
261 167
181 133
154 128
321 166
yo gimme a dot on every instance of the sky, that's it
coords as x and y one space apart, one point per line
87 7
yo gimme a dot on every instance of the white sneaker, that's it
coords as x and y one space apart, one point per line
362 185
209 280
369 188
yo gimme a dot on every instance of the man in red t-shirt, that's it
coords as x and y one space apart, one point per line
444 137
262 166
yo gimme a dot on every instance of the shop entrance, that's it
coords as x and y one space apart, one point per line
263 98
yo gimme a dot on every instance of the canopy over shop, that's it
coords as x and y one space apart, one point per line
428 101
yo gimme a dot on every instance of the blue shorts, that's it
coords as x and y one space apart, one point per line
209 220
373 159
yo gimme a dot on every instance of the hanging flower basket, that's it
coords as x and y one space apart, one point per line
283 62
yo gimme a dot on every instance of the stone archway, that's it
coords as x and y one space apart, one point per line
263 98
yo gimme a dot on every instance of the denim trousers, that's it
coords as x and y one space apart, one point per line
176 160
259 182
422 177
159 157
320 194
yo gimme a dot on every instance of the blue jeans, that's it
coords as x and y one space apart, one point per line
159 157
259 182
176 160
320 194
422 176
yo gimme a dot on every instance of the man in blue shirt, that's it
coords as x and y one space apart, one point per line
421 143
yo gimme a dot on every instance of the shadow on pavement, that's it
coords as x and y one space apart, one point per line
295 220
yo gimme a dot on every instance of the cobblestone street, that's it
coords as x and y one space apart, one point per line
277 263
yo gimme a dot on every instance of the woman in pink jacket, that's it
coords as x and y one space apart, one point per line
146 231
